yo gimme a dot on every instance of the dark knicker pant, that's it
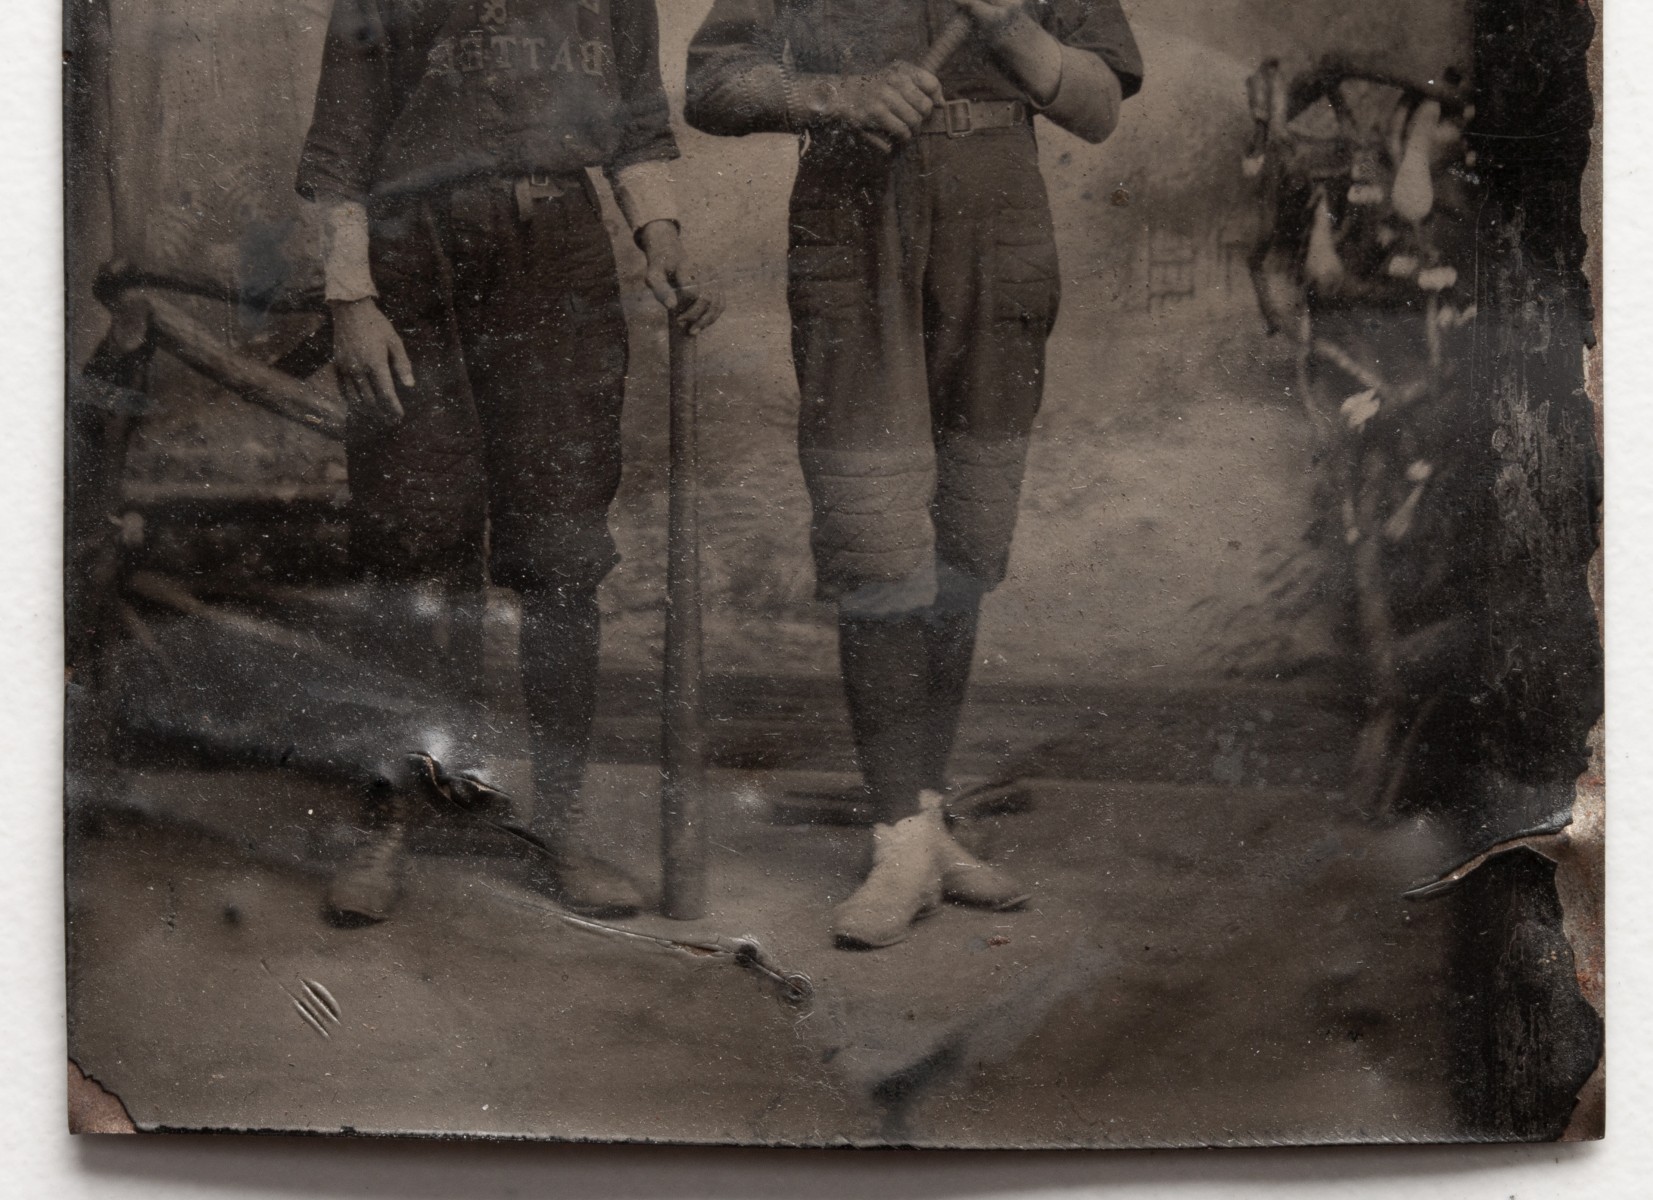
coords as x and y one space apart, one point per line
923 287
511 440
512 430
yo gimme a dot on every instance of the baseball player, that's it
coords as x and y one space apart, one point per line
481 344
923 285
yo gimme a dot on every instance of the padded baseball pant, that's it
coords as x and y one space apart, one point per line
923 286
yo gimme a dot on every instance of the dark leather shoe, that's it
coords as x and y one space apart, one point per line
367 886
587 886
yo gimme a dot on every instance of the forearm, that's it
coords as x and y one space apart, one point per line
738 71
1031 53
353 105
736 98
646 141
1087 97
764 98
1072 87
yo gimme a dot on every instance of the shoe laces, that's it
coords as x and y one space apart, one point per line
901 839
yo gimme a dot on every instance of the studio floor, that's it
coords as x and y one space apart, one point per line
1200 963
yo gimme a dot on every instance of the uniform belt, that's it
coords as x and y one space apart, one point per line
960 118
541 187
527 190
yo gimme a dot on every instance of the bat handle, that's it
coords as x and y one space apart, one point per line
948 42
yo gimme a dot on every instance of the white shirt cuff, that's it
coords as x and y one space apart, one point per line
644 193
346 268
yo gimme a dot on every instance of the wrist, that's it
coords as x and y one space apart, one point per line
657 234
813 100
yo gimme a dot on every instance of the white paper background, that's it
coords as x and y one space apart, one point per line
41 1160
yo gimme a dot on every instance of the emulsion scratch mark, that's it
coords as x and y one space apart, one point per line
1550 843
794 987
480 800
316 1005
324 998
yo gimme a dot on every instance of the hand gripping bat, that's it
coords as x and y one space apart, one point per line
953 35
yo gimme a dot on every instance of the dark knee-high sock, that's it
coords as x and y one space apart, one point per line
885 665
561 642
950 643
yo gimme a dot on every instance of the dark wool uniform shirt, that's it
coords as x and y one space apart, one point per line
421 94
740 56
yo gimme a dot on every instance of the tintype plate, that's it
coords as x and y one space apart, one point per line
1077 629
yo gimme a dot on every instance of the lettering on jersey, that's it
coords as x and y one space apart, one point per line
440 61
515 54
503 45
592 57
473 52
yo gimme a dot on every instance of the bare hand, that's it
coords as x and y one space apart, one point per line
370 359
890 104
693 305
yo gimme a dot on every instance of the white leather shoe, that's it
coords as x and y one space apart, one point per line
903 885
966 879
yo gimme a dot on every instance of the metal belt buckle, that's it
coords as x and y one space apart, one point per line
532 189
959 122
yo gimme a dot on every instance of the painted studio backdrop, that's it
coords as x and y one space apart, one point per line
1284 705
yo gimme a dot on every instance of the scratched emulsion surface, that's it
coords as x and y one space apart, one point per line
1201 964
1217 951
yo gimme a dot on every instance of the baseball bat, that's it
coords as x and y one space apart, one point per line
682 748
953 35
